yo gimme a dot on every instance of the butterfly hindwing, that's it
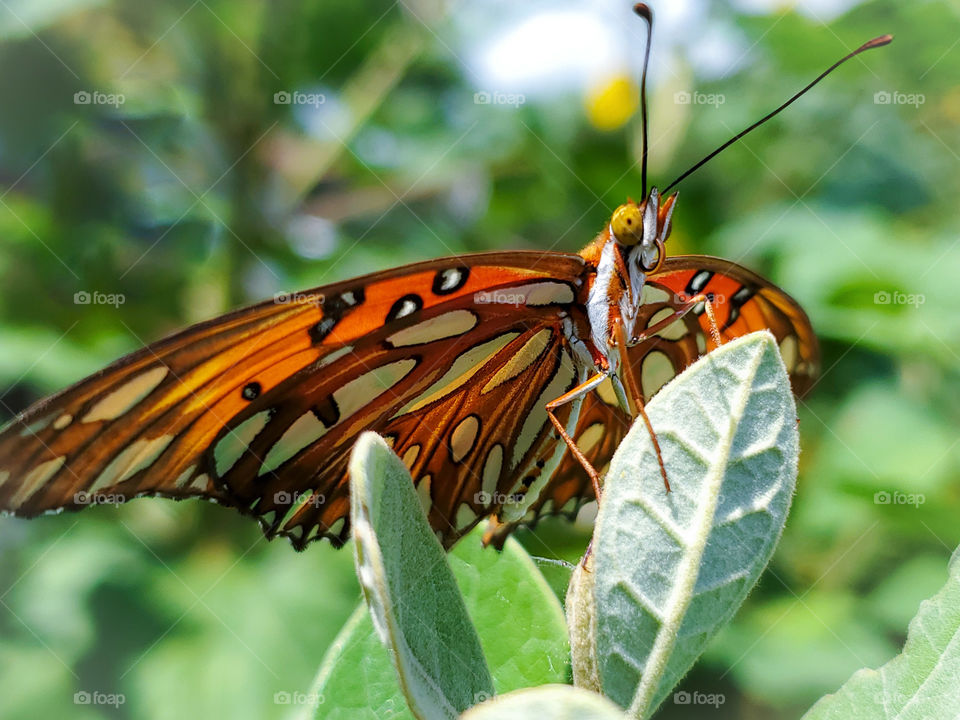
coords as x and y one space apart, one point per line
743 301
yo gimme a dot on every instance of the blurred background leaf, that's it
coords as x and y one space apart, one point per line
145 154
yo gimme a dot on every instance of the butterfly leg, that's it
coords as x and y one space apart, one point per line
636 397
578 392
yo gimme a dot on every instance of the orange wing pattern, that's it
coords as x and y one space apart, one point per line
743 301
258 409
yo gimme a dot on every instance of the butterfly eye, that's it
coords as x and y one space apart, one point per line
627 224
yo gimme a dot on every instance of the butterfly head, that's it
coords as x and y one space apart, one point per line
640 230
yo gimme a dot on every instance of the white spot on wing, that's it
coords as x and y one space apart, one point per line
465 516
542 293
410 456
461 370
788 350
423 492
358 393
463 437
134 458
536 419
674 331
652 294
590 437
335 355
408 308
184 476
451 324
35 480
61 422
520 360
303 431
115 404
491 472
235 443
657 371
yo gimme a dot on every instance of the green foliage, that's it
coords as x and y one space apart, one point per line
921 682
522 631
413 599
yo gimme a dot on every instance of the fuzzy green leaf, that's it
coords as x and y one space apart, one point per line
670 569
556 702
921 682
518 618
413 598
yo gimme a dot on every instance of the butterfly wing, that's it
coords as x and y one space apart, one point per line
743 301
258 409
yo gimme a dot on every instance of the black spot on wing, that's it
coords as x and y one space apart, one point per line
407 305
698 282
251 391
334 309
449 280
327 412
740 298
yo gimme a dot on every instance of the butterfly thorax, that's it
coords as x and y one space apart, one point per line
624 253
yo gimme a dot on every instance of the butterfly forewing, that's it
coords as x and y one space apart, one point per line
260 408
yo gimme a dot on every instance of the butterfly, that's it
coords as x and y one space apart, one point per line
500 379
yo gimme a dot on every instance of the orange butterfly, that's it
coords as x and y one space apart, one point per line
482 371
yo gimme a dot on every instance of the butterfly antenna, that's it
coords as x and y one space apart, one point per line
876 42
644 11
